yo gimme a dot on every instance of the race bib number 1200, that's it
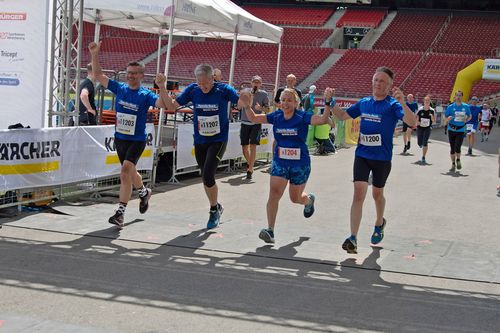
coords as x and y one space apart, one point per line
208 126
125 123
370 139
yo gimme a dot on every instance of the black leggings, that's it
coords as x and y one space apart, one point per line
456 139
208 156
423 134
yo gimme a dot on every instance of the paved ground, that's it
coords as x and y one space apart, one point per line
438 270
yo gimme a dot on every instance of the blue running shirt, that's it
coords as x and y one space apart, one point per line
131 107
290 135
378 122
211 119
459 114
474 111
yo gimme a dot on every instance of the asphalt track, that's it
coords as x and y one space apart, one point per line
437 270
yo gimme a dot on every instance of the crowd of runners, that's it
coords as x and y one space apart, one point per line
291 164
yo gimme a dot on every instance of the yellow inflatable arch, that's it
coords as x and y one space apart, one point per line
466 78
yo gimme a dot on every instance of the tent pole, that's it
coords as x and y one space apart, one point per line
278 65
160 119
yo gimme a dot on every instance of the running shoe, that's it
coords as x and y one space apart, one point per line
459 165
117 220
404 150
423 160
249 175
350 245
378 233
144 201
214 217
452 169
498 190
309 208
408 148
469 152
267 235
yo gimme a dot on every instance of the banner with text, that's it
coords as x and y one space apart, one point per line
23 61
52 156
185 148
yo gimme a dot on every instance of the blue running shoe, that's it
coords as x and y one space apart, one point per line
267 235
350 245
378 233
214 218
309 208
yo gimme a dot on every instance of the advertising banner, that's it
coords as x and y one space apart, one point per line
352 131
491 70
52 156
23 61
185 148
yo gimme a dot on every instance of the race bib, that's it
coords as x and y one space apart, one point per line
460 116
370 139
208 126
470 127
125 123
425 122
485 123
289 153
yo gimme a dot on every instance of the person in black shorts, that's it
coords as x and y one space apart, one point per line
407 130
425 118
379 115
132 104
250 132
211 129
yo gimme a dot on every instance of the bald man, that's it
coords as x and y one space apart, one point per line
410 102
291 80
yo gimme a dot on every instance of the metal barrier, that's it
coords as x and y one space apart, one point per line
43 195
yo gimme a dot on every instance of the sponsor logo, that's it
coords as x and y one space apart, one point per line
12 16
493 69
208 107
128 106
248 25
376 118
189 8
29 152
12 35
109 144
287 131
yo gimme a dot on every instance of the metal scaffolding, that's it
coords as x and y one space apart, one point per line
67 20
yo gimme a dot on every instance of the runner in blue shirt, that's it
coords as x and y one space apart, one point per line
457 115
407 130
132 104
291 161
473 123
211 129
379 115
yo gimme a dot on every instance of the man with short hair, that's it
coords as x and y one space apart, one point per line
132 104
379 115
87 109
211 128
473 123
410 102
250 132
291 81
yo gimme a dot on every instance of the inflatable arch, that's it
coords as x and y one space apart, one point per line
488 69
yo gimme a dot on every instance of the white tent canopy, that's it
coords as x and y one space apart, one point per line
201 18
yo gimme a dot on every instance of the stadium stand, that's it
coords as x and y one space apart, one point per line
362 18
305 37
477 35
411 32
437 74
353 72
292 15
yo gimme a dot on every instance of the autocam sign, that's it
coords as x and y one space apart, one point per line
491 70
